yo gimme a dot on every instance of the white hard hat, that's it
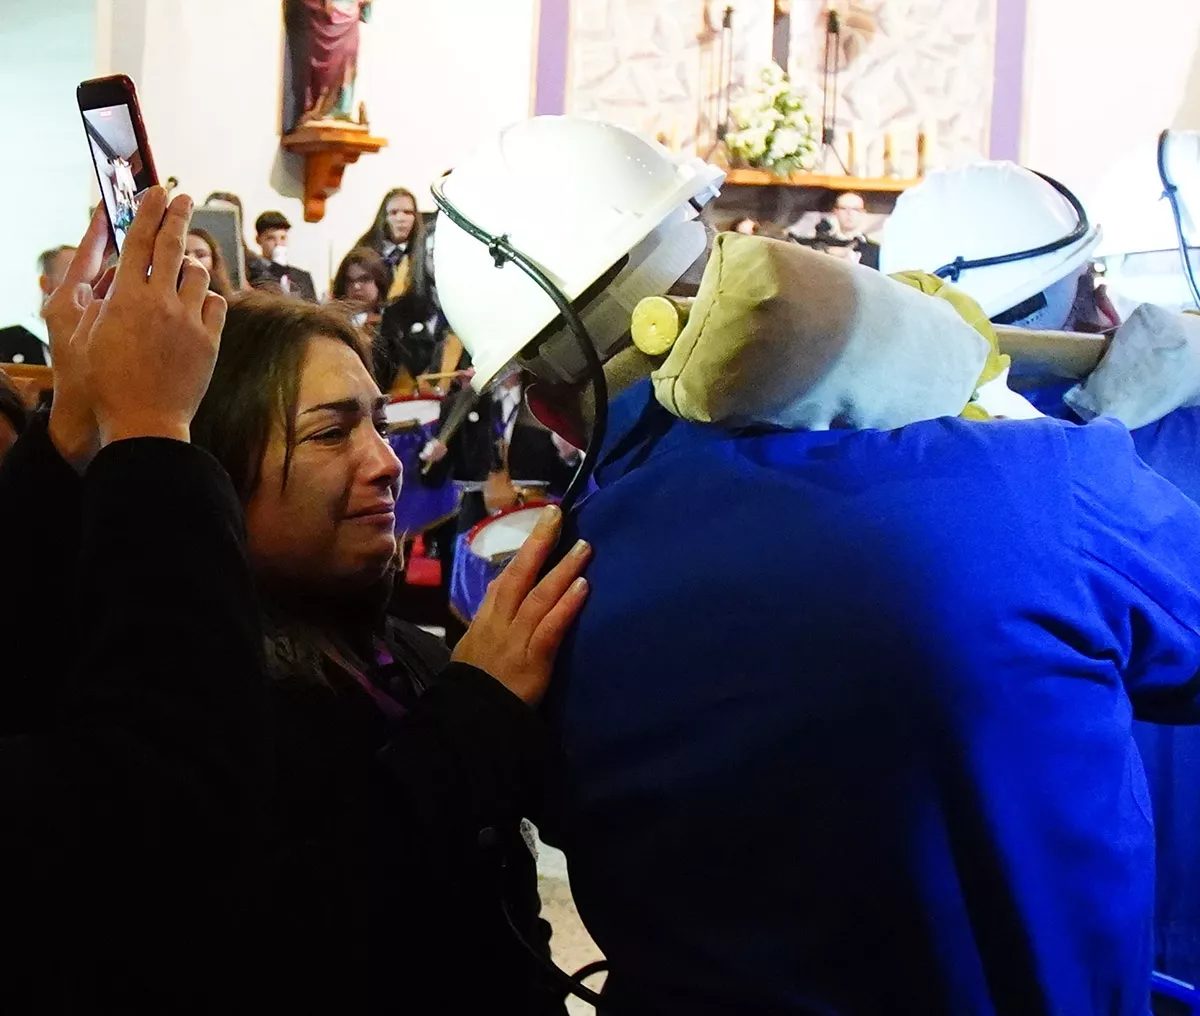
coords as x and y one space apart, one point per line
587 202
989 210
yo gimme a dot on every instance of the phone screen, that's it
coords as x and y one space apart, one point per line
125 172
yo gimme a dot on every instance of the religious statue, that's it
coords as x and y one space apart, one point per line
322 61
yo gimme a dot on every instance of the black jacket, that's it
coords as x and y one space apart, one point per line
359 886
382 899
475 450
134 765
268 275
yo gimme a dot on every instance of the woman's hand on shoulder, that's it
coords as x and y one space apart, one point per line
521 626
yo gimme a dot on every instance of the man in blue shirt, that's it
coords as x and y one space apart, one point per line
847 721
966 224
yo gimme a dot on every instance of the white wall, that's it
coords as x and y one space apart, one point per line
436 78
46 49
1103 78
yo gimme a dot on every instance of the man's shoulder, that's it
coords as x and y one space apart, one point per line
20 345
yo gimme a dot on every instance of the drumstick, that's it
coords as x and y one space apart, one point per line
458 416
658 321
440 377
1062 354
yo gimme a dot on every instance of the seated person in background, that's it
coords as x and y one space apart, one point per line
133 766
361 283
824 241
390 758
13 415
398 236
203 248
272 230
847 222
29 342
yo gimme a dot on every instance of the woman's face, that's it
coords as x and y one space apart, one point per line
401 217
333 525
198 248
361 287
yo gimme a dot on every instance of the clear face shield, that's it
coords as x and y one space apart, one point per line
1149 270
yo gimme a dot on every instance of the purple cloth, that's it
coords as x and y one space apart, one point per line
419 507
469 580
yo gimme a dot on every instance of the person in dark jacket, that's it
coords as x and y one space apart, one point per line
133 760
274 271
391 758
398 235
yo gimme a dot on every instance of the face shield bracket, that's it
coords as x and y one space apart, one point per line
1171 193
953 271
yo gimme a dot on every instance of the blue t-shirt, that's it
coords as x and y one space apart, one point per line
847 719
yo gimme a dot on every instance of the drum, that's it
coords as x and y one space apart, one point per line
412 424
482 554
405 411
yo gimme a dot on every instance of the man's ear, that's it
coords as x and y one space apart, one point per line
44 284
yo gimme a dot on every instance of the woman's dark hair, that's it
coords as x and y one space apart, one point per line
363 257
12 408
256 381
377 238
219 277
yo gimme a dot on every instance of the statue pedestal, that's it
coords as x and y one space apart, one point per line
328 148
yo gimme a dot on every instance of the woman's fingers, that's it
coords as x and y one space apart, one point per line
93 248
542 601
90 313
101 288
193 286
171 243
548 638
509 591
138 252
213 313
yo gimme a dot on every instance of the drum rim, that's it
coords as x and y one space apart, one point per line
482 525
394 399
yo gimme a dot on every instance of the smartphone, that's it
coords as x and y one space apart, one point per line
116 134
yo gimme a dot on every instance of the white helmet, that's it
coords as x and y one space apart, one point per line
986 211
587 202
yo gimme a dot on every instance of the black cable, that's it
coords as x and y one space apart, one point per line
955 268
565 981
1171 193
591 970
502 252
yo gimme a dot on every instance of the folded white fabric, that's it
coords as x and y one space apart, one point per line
784 336
1151 369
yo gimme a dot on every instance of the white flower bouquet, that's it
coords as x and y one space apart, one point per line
771 129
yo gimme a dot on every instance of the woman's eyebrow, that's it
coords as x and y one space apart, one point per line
341 406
